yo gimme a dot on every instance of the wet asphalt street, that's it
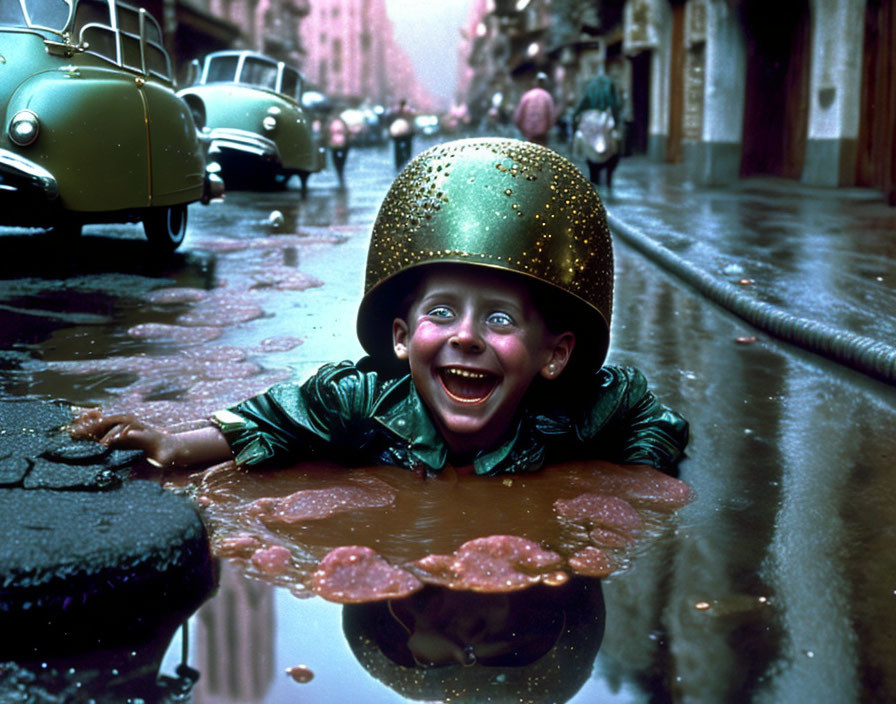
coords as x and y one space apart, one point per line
779 584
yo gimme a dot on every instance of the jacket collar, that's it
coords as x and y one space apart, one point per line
409 420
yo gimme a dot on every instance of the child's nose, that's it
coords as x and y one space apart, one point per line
466 335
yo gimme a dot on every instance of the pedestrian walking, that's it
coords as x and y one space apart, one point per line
596 125
401 130
338 143
535 115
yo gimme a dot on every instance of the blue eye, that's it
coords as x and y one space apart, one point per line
440 312
501 319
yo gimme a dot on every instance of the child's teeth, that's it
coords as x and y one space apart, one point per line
467 374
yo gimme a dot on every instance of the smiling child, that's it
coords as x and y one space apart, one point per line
486 319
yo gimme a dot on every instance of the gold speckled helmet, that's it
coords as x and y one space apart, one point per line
491 202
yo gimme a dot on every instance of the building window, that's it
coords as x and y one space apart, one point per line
337 56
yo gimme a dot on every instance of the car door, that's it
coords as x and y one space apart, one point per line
96 140
176 162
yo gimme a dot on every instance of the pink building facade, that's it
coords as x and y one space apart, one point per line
268 26
352 56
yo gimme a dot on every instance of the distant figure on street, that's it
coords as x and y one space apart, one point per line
535 115
401 130
596 125
338 143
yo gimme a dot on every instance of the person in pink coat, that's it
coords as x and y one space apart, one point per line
535 115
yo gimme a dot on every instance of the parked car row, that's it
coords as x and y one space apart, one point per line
94 130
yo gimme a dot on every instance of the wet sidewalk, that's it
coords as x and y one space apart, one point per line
812 266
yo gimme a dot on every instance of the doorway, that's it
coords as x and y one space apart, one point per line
776 103
637 134
674 152
876 161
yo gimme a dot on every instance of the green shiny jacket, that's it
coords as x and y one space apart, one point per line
351 414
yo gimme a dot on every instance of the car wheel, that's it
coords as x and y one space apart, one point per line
165 227
303 180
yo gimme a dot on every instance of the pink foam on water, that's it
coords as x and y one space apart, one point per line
273 560
354 573
592 562
175 333
177 295
599 510
316 504
495 563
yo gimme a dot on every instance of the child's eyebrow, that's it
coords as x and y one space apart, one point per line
434 295
505 303
450 295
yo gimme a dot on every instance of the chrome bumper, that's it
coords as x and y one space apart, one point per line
18 174
29 194
212 184
227 139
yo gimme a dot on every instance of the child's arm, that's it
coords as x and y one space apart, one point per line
169 450
629 420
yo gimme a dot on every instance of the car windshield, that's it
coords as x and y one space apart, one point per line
259 72
221 68
291 83
52 14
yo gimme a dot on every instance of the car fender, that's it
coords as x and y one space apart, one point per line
176 153
243 107
23 55
92 138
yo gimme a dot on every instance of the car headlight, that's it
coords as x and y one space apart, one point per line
24 128
269 123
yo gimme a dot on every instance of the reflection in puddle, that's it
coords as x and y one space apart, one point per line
439 645
254 643
104 677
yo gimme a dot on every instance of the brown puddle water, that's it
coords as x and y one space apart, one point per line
359 535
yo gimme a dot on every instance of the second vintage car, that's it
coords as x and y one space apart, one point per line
92 130
250 105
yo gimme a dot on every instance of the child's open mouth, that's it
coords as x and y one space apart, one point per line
466 385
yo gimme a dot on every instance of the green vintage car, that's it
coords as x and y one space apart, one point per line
93 130
251 107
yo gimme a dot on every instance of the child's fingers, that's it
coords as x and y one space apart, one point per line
119 419
85 424
111 435
95 426
124 435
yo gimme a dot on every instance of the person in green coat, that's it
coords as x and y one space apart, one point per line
600 94
596 127
486 321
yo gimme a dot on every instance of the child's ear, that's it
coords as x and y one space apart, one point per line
400 338
561 353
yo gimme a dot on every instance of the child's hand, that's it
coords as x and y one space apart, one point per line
124 431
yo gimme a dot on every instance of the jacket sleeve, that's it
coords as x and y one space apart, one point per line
631 425
323 418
